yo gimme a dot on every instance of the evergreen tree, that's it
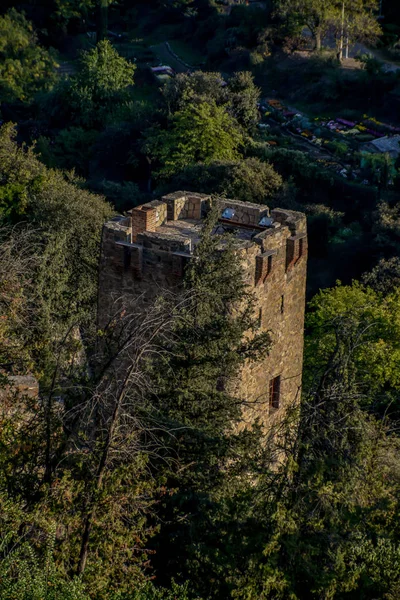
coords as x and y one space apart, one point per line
65 224
198 400
100 86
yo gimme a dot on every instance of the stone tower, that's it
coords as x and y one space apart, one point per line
147 251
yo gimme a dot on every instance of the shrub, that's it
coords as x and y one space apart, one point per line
26 576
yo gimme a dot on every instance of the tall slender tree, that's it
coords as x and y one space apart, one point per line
351 21
354 21
217 335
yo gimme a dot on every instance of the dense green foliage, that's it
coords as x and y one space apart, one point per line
98 88
239 97
102 79
62 223
356 21
329 527
132 475
25 67
248 179
198 133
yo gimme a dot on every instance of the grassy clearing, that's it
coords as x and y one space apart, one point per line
188 54
165 57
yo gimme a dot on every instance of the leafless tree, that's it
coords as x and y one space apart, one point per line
18 259
113 421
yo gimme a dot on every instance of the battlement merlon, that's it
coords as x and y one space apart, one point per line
173 223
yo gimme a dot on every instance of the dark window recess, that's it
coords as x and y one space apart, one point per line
263 267
260 315
274 392
269 265
220 384
177 265
282 304
295 249
301 247
127 258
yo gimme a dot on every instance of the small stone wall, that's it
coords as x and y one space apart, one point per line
246 213
161 212
186 205
296 221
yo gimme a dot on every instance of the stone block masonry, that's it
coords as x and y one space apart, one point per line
147 252
148 217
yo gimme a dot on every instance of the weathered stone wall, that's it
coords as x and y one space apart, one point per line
186 205
246 213
280 307
142 269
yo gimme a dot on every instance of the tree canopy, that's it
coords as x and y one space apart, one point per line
100 85
139 471
368 322
64 225
248 179
25 67
352 21
197 133
239 95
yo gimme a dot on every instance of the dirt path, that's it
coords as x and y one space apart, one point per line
388 65
168 57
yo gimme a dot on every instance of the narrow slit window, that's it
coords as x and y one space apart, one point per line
269 266
177 266
282 304
127 258
301 248
274 392
260 316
